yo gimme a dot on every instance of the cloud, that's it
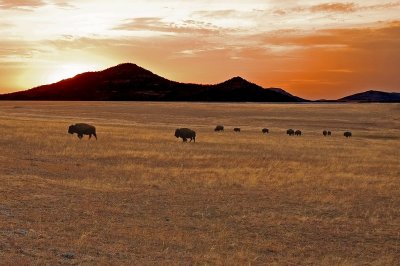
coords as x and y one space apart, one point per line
62 3
216 13
11 51
5 25
334 7
381 6
156 24
21 4
388 33
32 4
350 7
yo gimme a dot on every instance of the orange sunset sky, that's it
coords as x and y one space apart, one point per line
313 49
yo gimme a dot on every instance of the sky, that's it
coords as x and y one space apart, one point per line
313 48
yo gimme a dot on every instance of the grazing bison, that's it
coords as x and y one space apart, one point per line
219 128
265 130
297 133
290 132
185 133
329 133
347 134
236 129
82 129
325 133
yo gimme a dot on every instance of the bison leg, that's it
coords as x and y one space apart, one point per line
194 139
90 136
80 136
94 134
184 139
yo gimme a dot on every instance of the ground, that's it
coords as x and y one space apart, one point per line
138 195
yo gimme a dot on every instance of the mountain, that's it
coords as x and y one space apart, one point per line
372 96
129 82
285 93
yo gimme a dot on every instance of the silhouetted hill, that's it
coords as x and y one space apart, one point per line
130 82
372 96
285 93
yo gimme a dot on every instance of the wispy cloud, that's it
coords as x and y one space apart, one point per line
21 4
157 24
337 7
216 13
334 7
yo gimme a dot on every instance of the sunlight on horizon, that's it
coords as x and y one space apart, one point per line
66 71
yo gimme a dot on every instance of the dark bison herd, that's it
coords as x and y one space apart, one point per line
326 133
184 133
291 132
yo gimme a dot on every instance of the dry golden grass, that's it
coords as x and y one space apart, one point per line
140 196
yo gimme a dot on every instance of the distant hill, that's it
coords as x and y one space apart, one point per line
129 82
372 96
284 92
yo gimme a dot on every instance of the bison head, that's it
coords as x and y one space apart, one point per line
177 133
71 129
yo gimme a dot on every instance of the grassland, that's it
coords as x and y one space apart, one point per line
138 195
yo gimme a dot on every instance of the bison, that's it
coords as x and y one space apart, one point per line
219 128
297 133
185 133
329 133
265 130
290 132
82 129
347 134
325 133
236 129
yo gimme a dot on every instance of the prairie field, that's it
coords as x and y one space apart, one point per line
139 196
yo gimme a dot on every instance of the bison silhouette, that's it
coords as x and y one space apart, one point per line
329 133
347 134
325 133
219 128
297 133
236 129
265 130
185 133
290 132
82 129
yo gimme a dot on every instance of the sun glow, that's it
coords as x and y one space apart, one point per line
66 71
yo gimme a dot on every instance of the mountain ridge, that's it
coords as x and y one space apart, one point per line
372 96
131 82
